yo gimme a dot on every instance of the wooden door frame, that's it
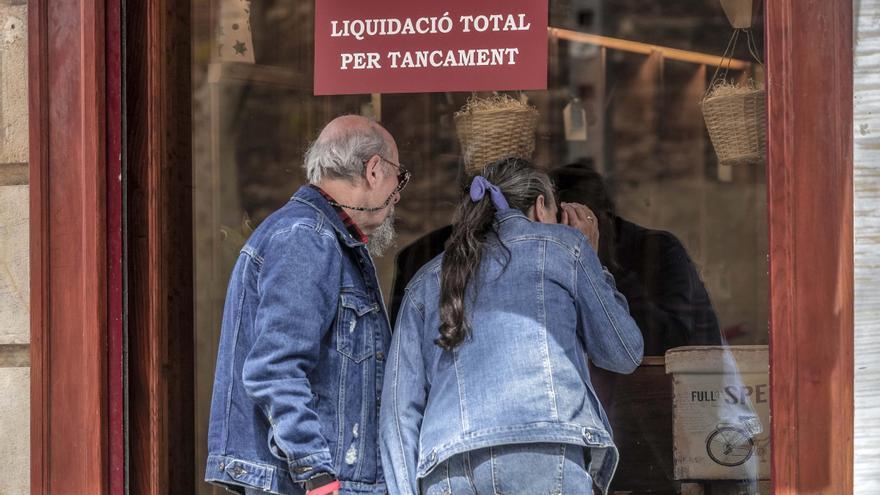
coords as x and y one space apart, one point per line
76 210
76 246
160 292
810 207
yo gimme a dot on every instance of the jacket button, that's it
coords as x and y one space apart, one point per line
221 466
380 356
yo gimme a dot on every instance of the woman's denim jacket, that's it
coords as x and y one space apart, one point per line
302 349
544 305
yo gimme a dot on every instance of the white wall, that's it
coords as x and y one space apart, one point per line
867 245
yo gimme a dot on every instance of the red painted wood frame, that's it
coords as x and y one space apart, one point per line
76 209
160 290
75 81
809 187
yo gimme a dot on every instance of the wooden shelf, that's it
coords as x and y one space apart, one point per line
269 75
647 49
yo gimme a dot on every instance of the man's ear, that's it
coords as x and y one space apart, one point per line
373 171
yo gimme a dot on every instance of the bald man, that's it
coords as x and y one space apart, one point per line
305 331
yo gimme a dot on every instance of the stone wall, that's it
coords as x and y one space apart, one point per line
14 282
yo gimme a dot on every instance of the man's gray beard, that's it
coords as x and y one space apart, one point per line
383 237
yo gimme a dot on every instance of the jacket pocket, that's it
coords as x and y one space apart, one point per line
354 326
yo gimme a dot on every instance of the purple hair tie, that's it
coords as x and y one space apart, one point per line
480 185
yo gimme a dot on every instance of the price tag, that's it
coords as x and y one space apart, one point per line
575 118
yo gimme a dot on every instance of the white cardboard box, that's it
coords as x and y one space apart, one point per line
721 412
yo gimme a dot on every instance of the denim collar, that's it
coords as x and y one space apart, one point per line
504 215
314 199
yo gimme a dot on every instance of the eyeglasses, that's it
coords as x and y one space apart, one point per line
403 178
403 175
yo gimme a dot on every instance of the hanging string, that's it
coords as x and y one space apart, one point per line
753 48
727 58
729 55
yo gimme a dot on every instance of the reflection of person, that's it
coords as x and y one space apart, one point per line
670 304
652 269
487 388
304 330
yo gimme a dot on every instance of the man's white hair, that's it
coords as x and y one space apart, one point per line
342 154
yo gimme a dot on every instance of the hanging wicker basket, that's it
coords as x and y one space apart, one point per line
491 129
736 113
736 119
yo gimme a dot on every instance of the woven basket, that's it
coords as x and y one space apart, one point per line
737 125
489 133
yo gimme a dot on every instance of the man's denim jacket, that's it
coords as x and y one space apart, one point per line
544 305
300 365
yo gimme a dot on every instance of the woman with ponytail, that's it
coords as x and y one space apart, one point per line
487 388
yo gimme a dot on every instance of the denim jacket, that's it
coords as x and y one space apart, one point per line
300 365
543 306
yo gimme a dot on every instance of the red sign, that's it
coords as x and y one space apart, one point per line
415 46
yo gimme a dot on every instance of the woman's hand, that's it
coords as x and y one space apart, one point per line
582 218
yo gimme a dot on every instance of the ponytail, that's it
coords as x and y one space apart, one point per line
464 252
510 183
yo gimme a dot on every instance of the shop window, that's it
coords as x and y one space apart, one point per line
684 234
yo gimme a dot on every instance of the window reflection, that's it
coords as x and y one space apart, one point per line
652 268
623 132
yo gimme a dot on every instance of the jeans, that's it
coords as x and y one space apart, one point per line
528 469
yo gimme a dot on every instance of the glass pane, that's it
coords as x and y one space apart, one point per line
621 129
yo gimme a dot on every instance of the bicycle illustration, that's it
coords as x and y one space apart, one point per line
732 445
